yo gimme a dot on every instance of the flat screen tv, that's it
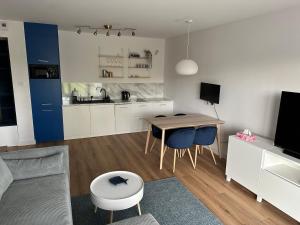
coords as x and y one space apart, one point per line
288 124
210 92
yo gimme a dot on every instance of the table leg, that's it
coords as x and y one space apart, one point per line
162 149
111 217
139 209
219 140
148 138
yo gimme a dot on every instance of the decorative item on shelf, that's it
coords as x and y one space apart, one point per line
107 74
107 28
246 135
148 54
187 66
142 66
134 55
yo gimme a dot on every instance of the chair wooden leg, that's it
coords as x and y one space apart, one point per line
212 154
153 144
202 150
174 160
183 152
191 158
165 149
196 152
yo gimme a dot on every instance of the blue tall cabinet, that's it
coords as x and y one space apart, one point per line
46 98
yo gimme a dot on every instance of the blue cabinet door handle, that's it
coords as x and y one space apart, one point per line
44 104
42 60
47 110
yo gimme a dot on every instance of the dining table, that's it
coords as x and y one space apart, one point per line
174 122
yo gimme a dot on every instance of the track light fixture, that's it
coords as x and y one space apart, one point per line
108 29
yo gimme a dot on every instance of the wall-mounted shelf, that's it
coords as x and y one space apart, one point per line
114 77
108 66
137 77
119 64
111 56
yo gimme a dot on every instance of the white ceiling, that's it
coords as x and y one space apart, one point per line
152 18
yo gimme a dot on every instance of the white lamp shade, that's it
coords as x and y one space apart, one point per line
186 67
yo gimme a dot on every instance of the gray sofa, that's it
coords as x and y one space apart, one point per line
40 192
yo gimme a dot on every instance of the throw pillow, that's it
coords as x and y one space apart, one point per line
36 167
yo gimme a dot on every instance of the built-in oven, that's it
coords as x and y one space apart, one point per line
40 71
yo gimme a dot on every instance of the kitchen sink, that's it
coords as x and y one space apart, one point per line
94 101
141 100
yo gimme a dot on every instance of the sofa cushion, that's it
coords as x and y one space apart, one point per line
146 219
6 177
37 201
36 167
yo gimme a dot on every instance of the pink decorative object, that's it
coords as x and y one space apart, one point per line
245 137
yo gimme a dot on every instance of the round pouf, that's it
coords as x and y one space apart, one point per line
108 196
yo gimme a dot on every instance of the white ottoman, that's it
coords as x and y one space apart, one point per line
111 197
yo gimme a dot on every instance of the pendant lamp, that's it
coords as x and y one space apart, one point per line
187 66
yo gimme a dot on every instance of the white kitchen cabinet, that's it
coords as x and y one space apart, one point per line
81 121
141 110
125 119
102 120
77 122
162 108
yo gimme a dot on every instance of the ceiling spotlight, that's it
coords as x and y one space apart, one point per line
119 33
133 33
78 30
95 32
107 26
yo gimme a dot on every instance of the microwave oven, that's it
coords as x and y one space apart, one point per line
44 71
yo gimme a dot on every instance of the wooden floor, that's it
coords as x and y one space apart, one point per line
229 201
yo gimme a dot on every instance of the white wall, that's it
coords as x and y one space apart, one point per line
23 133
253 60
79 56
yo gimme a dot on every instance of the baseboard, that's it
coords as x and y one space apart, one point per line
26 142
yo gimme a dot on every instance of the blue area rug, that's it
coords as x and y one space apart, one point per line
167 200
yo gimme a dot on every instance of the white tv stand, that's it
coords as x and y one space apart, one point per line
265 170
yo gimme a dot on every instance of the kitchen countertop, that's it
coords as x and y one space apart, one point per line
120 102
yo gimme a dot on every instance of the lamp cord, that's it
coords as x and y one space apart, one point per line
188 40
216 111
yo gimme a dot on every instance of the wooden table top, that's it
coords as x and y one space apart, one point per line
189 120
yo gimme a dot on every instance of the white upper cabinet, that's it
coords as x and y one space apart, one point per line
79 57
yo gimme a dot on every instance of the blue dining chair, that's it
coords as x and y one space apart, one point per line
205 136
156 133
179 139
